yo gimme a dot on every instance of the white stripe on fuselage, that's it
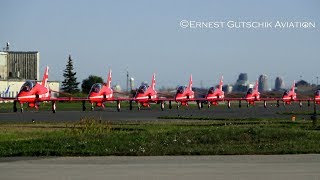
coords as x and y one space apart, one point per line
184 97
215 97
290 98
146 97
101 96
252 97
212 97
25 97
33 96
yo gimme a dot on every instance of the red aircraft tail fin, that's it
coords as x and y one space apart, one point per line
190 83
221 83
153 81
45 77
109 79
293 85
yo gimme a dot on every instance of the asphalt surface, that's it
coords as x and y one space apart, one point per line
111 114
165 167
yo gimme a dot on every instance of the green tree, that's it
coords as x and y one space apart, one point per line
70 83
88 82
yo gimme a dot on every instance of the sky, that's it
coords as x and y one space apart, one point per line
146 36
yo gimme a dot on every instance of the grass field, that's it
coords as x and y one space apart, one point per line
90 137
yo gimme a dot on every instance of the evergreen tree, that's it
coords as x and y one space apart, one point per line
70 83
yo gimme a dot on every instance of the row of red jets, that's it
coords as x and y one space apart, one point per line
32 93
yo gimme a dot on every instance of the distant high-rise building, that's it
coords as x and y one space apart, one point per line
242 84
243 77
227 88
263 83
279 84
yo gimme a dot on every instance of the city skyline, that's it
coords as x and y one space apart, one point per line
146 38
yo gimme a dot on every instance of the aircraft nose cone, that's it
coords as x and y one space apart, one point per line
139 95
92 95
178 96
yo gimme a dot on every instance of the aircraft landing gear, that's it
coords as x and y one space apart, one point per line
162 105
130 105
15 109
84 106
278 103
92 107
21 107
199 105
36 106
118 106
239 104
53 107
170 105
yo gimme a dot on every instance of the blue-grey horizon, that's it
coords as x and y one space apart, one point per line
150 37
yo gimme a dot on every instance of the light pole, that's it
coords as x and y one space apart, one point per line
317 80
127 80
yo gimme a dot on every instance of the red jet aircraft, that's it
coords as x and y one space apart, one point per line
101 93
184 95
146 95
251 97
215 95
289 96
33 93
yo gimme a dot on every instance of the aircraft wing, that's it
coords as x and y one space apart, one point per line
304 99
66 99
167 94
234 99
85 99
244 99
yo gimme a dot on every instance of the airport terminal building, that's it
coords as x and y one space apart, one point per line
18 66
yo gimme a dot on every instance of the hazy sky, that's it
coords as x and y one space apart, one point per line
146 37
